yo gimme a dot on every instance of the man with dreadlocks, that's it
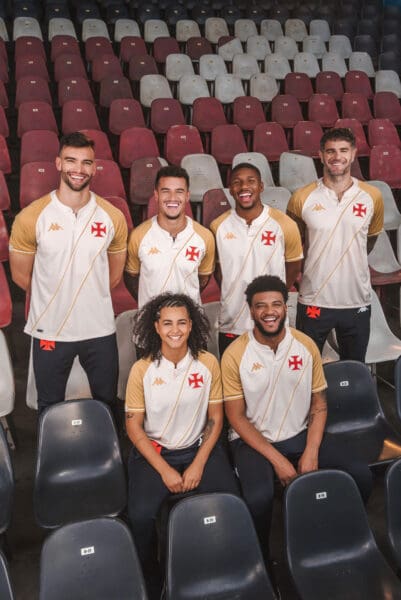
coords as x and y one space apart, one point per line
174 415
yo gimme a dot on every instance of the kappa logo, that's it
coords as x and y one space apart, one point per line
295 363
98 229
230 236
159 381
195 380
154 250
362 310
256 366
55 227
318 207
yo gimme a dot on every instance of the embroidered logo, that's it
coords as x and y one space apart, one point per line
192 253
313 312
362 310
359 209
98 229
195 380
47 345
318 207
55 227
230 236
154 250
256 366
268 238
158 381
295 362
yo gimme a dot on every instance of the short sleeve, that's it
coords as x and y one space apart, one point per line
318 379
292 238
23 234
133 263
208 262
119 241
135 396
230 373
216 391
377 223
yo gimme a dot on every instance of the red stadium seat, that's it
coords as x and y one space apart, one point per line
140 65
357 129
358 82
136 142
63 44
32 89
3 95
29 66
286 111
97 46
329 82
207 113
108 180
197 47
4 131
114 88
270 140
102 144
387 106
248 112
165 112
106 66
67 66
307 136
142 180
74 88
5 161
122 205
77 115
27 45
356 106
180 141
131 46
35 115
383 132
298 85
4 195
39 146
36 180
122 299
322 108
164 46
125 113
3 239
226 142
385 165
214 204
5 300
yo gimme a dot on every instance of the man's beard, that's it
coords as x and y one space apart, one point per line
270 334
71 186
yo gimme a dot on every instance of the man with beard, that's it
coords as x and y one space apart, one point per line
274 393
251 240
169 252
67 250
339 218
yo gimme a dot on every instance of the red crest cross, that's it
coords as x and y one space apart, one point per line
98 229
295 363
195 380
359 209
47 345
192 253
313 312
268 238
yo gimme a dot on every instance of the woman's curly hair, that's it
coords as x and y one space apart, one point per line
146 336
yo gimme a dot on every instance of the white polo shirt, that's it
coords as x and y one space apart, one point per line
277 387
70 291
246 251
175 399
165 264
336 272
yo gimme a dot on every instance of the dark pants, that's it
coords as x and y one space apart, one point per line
52 363
146 491
256 475
225 339
352 327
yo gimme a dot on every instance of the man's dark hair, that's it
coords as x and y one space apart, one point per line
245 165
146 336
77 139
172 171
338 134
266 283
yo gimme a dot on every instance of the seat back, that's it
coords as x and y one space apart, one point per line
203 174
296 170
78 557
6 485
126 348
79 470
226 560
392 487
6 592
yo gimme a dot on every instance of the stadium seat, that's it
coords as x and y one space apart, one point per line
75 556
277 66
69 66
125 28
332 61
260 161
228 87
122 205
38 146
29 46
203 174
35 115
79 470
298 85
142 179
178 65
263 87
190 88
244 28
114 88
77 115
361 61
358 82
136 142
96 47
245 66
392 487
37 179
314 45
383 131
141 65
329 82
248 112
227 552
392 216
226 142
307 136
356 106
103 66
5 320
383 266
322 109
92 27
165 112
286 111
102 144
74 88
214 204
32 89
163 47
362 145
197 46
324 516
306 62
341 45
154 28
385 165
207 113
180 141
215 28
107 180
387 106
4 241
321 28
388 81
27 66
26 26
6 468
4 195
132 46
270 140
296 29
152 87
271 29
6 591
186 29
63 44
296 170
259 47
286 46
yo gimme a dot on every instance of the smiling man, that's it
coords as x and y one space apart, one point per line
339 219
252 240
67 250
274 394
170 252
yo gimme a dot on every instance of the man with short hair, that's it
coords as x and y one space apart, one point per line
252 239
169 252
339 218
274 393
67 250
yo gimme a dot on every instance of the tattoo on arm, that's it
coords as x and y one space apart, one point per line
208 430
130 415
315 412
